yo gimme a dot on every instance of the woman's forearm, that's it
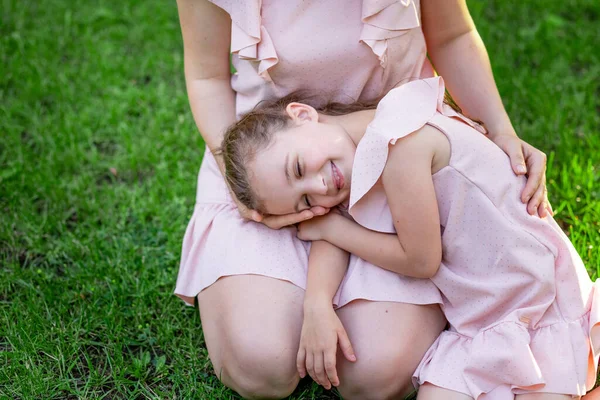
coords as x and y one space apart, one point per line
213 106
327 265
465 66
206 32
459 55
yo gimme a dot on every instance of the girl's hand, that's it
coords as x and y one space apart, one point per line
313 229
322 330
527 160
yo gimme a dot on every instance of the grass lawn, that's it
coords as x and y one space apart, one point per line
98 163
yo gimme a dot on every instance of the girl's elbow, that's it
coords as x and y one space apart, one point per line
429 265
432 269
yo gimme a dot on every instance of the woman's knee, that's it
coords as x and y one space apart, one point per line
376 376
252 328
260 369
389 339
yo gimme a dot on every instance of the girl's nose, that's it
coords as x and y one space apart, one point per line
320 185
315 186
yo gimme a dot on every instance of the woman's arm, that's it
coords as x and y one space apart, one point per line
322 330
459 55
206 31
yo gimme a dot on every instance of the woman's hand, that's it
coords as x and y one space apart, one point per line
322 330
527 160
281 221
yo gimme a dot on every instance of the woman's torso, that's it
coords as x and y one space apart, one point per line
349 49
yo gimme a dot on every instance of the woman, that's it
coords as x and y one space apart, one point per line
250 279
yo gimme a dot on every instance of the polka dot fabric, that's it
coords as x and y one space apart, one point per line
523 312
348 49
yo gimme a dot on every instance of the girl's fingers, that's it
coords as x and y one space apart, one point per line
310 366
330 370
346 346
320 371
300 362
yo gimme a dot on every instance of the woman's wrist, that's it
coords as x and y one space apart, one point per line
502 126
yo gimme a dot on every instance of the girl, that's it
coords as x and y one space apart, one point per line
432 198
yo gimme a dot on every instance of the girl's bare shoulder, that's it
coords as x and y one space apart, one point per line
425 145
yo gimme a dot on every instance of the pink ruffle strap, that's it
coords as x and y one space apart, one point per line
401 112
386 19
249 38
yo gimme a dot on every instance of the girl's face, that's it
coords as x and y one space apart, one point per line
307 164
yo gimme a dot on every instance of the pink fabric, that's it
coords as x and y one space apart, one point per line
351 49
522 308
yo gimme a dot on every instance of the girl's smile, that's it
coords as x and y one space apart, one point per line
309 163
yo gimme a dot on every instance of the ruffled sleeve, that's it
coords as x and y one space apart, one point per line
387 19
249 38
402 111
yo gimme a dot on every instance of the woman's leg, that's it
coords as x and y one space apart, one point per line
251 326
389 340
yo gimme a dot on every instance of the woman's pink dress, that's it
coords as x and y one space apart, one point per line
351 49
522 309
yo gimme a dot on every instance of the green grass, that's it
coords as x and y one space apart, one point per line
98 163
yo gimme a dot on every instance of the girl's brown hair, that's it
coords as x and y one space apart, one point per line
254 132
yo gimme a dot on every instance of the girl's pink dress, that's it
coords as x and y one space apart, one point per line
352 49
522 309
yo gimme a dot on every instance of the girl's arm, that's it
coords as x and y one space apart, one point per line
322 330
459 55
416 248
206 31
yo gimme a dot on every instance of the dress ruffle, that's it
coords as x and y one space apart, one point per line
386 19
249 38
408 107
508 358
219 243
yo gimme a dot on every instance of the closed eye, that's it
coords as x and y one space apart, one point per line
306 201
298 170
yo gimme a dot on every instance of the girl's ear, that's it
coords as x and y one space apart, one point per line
301 113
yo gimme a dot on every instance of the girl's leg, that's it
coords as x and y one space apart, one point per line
389 340
432 392
252 328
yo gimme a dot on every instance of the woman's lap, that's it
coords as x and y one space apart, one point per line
219 243
252 329
249 280
389 340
